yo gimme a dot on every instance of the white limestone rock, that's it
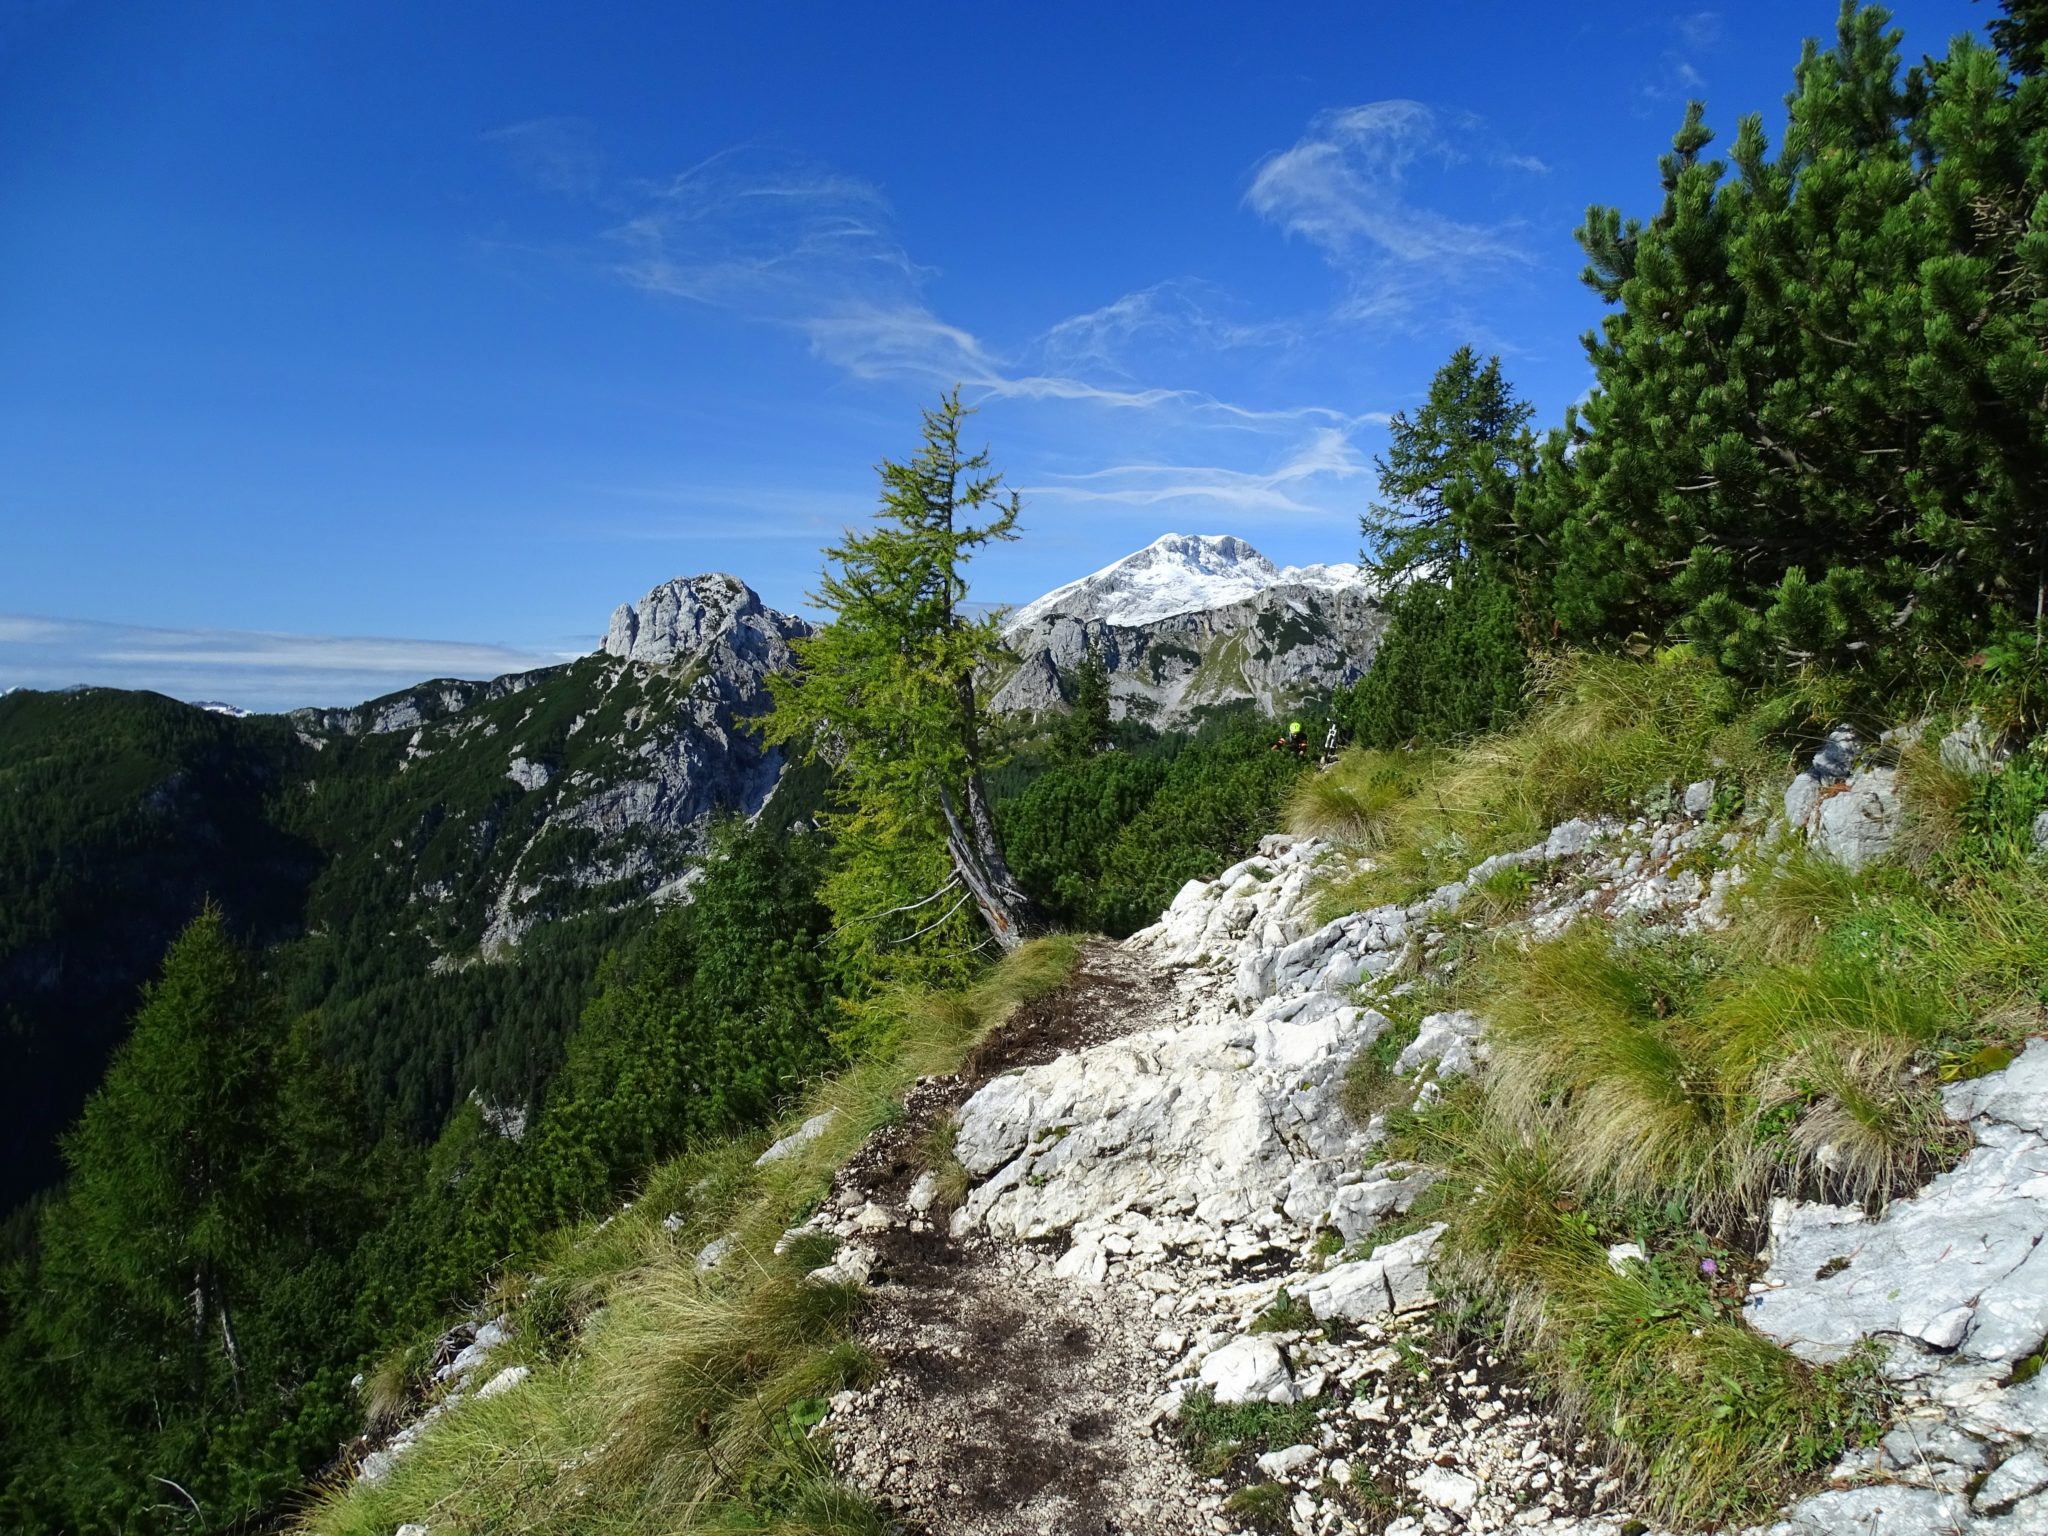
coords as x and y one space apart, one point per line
2021 1475
1213 1122
1956 1267
1394 1279
503 1382
1357 1208
1248 1370
1970 748
1450 1041
1446 1489
487 1338
1859 825
714 1253
1282 1465
529 775
1884 1509
1621 1255
851 1265
798 1139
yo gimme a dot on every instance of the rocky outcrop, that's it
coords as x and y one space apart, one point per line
1846 802
620 762
715 618
1960 1308
702 649
1195 1174
1194 624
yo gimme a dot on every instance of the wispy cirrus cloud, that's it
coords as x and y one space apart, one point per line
1349 186
1328 453
1675 74
789 243
252 669
1176 316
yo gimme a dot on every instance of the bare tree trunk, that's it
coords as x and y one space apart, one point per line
1010 914
234 1354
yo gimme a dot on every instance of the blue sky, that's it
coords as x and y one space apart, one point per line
443 329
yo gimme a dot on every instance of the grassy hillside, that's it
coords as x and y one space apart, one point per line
1662 1088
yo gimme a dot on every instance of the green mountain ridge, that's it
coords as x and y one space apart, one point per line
385 850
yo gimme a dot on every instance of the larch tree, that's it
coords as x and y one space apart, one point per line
885 694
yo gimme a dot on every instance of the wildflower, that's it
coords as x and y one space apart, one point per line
1709 1267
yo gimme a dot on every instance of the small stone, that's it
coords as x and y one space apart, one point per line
713 1253
798 1139
1282 1465
1447 1490
1248 1370
503 1382
2019 1476
1619 1255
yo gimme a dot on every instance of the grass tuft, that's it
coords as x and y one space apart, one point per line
1261 1506
1603 734
1216 1437
1356 800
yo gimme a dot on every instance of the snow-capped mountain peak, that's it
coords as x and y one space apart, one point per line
1178 573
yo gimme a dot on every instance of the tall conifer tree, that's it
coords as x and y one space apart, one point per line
886 693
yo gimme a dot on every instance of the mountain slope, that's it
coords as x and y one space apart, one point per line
443 866
120 814
1191 624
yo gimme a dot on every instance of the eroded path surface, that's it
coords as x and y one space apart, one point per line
1008 1406
1155 1154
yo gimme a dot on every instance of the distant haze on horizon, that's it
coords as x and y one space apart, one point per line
450 329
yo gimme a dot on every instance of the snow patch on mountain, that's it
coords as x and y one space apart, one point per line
1179 573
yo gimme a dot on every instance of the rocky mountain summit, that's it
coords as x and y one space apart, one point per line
1191 623
594 781
717 620
1180 573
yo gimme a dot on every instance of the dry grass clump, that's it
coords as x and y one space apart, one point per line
1356 799
1783 915
1673 1073
1709 1421
1661 1091
680 1402
1603 733
1933 796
